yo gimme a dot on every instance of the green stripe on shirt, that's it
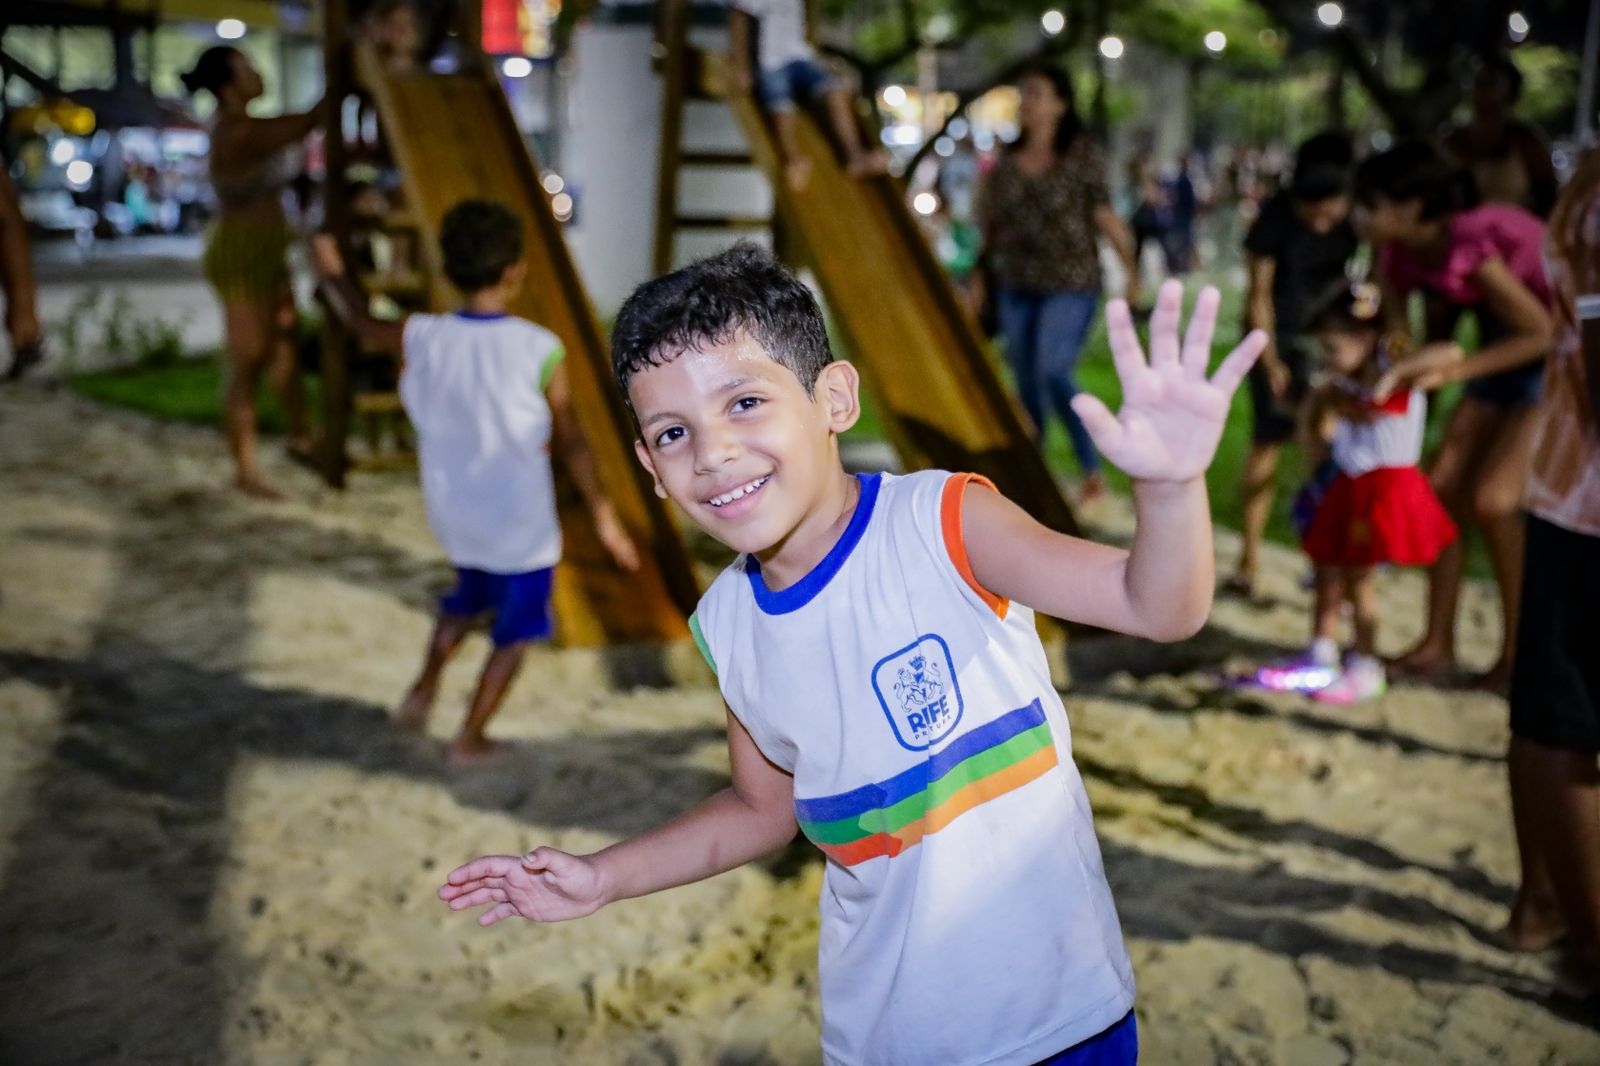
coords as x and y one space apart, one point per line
700 640
548 371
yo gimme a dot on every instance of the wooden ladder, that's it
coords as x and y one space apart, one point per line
689 75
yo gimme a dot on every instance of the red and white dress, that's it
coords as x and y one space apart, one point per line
1380 508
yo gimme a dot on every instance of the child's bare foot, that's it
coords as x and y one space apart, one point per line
256 488
867 162
1535 925
798 173
412 714
466 752
1426 663
304 448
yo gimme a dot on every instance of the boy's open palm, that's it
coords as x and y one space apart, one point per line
1172 414
545 885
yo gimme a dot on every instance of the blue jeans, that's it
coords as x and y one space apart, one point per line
1045 332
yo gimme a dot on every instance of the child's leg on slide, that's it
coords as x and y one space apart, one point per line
418 704
796 164
499 670
860 156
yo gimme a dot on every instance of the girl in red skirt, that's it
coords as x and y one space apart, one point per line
1379 507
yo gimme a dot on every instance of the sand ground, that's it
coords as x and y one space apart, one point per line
214 850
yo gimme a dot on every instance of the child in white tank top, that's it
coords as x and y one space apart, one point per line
887 693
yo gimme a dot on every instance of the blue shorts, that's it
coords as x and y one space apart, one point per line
1116 1046
800 79
520 603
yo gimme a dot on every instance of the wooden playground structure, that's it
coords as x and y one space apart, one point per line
453 136
924 361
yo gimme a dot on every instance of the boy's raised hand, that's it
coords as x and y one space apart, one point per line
545 885
1172 414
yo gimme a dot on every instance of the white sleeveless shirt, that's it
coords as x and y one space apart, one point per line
1392 439
966 918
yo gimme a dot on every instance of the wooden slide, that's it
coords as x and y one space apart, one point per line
453 136
925 364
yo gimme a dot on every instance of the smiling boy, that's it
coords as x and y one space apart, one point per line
887 693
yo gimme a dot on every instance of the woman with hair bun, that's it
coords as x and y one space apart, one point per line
252 161
1433 236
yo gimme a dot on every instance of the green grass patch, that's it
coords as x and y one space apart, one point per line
188 391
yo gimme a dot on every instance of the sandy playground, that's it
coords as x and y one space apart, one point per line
215 851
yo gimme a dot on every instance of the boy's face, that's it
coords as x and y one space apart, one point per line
730 435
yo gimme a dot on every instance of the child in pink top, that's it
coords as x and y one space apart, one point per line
1433 237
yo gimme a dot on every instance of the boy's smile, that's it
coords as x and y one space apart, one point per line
731 436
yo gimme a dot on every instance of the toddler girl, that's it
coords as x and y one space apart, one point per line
1368 417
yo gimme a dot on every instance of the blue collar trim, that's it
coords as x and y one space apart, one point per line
482 316
809 587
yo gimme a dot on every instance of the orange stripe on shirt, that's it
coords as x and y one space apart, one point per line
960 802
955 541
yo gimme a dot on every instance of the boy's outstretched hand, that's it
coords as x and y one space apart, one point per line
545 885
1172 414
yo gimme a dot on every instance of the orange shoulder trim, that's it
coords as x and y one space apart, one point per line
955 491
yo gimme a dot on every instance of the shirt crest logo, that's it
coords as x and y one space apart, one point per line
918 692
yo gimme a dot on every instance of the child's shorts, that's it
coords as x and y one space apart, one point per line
1117 1046
799 79
520 603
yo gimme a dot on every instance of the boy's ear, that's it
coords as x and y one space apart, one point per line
838 390
515 274
644 459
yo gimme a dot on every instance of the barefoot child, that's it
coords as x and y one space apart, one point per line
886 689
1379 507
789 72
484 390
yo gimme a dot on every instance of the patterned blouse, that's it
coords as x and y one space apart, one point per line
1041 227
1564 481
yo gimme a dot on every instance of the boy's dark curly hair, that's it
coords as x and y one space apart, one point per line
742 290
479 239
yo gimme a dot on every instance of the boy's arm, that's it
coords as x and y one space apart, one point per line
1260 314
345 302
1164 438
753 816
580 464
